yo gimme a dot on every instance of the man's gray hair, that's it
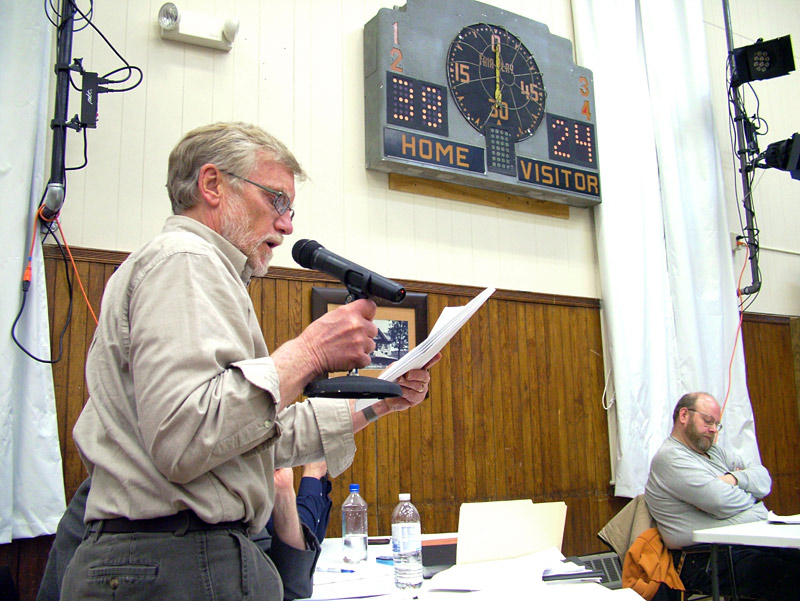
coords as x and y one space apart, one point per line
234 147
688 400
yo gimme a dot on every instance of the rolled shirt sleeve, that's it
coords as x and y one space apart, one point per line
330 421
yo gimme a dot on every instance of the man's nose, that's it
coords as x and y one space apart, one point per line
284 224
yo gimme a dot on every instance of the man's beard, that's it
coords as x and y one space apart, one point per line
697 440
234 229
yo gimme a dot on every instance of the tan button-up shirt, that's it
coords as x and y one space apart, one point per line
183 395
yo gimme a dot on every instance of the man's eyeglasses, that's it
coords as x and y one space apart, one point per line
708 420
280 200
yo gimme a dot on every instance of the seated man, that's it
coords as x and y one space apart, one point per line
282 538
695 484
293 547
313 498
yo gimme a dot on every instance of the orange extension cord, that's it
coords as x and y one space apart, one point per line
69 252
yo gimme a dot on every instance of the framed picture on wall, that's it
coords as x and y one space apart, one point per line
401 326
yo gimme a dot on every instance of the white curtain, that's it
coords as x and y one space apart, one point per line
669 302
31 480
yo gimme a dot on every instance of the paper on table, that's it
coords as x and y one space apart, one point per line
518 527
566 567
773 518
517 573
449 322
368 579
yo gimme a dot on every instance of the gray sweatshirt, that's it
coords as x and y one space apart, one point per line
684 492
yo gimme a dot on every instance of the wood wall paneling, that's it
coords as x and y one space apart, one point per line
772 381
514 410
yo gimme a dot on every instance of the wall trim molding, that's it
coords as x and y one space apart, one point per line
114 257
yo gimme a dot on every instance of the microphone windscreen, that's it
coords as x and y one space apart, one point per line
303 251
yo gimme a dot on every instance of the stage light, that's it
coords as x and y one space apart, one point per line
195 28
784 155
762 60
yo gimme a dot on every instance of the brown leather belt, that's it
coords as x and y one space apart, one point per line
183 521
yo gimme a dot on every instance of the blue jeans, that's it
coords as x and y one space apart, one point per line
218 565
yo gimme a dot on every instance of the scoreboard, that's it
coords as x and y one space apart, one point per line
467 93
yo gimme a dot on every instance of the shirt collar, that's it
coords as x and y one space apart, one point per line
181 223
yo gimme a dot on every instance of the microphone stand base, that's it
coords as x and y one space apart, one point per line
353 387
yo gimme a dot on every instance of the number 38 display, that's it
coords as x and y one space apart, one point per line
524 122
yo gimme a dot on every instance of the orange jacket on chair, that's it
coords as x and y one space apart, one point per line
647 564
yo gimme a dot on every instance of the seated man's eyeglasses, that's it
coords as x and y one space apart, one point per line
279 200
708 420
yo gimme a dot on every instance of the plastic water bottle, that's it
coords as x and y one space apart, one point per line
354 526
406 544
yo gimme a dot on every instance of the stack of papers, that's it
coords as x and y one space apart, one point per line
571 572
528 573
449 322
783 519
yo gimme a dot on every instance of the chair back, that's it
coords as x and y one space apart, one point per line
625 527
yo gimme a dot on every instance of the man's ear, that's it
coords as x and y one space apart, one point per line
209 185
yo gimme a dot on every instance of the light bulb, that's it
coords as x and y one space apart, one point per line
168 16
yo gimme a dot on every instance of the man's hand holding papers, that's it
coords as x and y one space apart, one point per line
422 356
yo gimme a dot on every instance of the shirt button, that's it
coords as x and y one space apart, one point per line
267 424
113 582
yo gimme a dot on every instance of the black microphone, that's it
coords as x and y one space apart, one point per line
360 281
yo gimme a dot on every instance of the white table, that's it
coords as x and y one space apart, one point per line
760 534
372 579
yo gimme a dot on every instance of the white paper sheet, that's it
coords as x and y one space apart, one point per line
774 518
450 321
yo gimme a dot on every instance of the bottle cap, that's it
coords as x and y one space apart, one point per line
404 496
354 488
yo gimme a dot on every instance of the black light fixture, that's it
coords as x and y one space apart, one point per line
762 60
784 155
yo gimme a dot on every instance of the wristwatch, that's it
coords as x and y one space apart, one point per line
370 414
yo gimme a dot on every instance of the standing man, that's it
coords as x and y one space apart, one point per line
695 484
188 414
289 540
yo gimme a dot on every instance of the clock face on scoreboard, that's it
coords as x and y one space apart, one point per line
467 93
494 79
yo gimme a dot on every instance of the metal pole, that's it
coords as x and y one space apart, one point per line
54 196
746 144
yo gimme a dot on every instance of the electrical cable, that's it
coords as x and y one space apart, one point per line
733 143
85 158
87 17
54 16
75 270
738 328
127 66
26 282
748 158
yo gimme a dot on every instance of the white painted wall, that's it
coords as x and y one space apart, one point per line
296 70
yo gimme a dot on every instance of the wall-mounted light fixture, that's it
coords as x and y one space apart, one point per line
195 28
762 60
